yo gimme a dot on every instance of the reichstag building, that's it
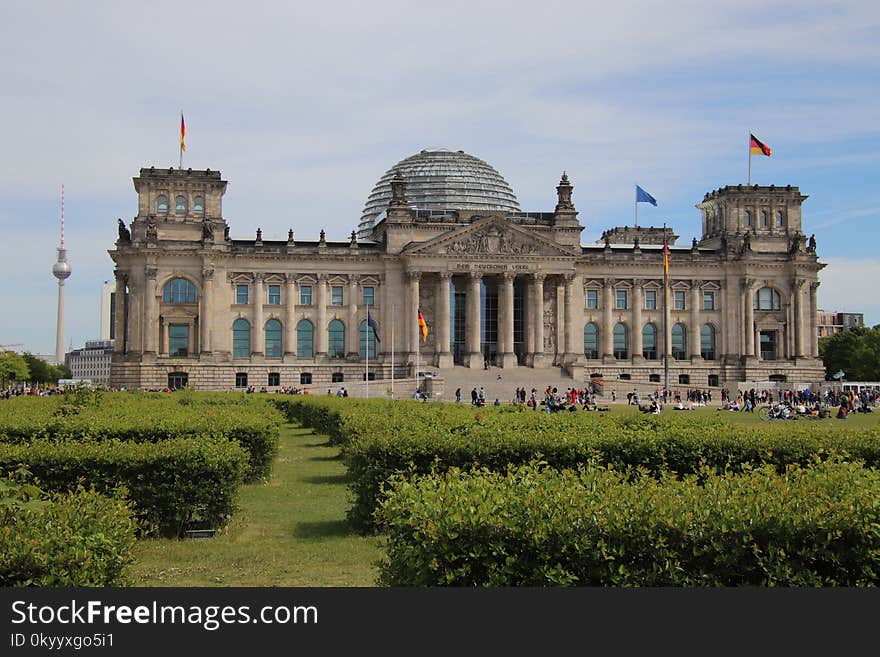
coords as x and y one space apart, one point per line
442 232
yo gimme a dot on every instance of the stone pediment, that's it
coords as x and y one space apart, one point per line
490 237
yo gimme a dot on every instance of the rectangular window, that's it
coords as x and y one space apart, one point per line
241 294
650 299
241 380
679 300
305 295
274 379
592 299
621 299
369 296
178 340
708 301
335 295
274 295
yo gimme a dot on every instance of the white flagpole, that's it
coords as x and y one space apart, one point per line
418 353
393 317
636 193
367 358
750 158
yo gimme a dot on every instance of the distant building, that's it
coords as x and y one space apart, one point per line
91 362
108 310
49 358
831 323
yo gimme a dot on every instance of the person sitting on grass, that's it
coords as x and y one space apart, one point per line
842 412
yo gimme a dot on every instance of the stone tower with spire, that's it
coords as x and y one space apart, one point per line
61 270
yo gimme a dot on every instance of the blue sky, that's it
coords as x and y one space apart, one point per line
303 107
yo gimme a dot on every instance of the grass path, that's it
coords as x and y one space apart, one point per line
289 531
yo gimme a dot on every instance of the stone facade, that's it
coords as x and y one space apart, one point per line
512 288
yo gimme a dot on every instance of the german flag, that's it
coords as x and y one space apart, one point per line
423 327
666 259
757 147
183 133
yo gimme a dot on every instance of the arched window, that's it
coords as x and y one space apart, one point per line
747 219
336 339
162 203
765 220
180 205
179 290
273 339
367 341
679 342
198 205
305 339
766 299
707 341
591 340
621 341
780 219
241 339
649 342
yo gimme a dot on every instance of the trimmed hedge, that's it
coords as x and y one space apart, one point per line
78 539
535 526
169 483
144 417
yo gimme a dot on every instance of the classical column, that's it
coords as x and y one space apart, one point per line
289 339
694 341
638 303
258 328
607 337
800 320
444 354
814 311
572 311
505 328
352 347
151 318
206 316
320 334
749 324
473 330
119 332
723 326
537 313
411 314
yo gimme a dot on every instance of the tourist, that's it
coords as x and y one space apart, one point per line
457 395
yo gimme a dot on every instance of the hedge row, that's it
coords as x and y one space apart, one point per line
78 539
250 420
536 526
171 484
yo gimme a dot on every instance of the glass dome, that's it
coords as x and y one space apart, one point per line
441 179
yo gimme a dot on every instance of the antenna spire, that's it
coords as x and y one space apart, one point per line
62 215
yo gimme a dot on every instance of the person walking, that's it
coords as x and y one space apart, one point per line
474 397
457 395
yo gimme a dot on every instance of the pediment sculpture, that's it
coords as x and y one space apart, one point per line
493 240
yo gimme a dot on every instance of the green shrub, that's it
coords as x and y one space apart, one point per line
536 526
78 538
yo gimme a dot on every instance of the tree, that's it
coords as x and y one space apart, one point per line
13 367
43 372
855 351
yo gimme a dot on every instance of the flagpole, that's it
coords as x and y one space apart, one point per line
749 141
418 354
180 145
393 317
367 359
665 313
636 194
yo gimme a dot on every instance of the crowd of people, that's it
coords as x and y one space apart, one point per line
36 391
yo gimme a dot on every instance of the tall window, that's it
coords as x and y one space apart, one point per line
241 339
779 219
766 299
748 218
336 295
179 290
336 339
199 205
650 299
708 300
178 340
591 340
620 296
162 204
274 295
241 294
621 341
305 339
274 379
679 342
305 295
707 341
369 295
273 339
241 380
679 299
592 299
180 205
649 342
765 219
367 341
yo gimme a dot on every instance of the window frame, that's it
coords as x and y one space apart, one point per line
710 296
275 340
159 209
594 353
304 338
238 328
679 295
645 349
177 204
336 339
337 295
305 292
620 353
592 299
368 299
621 296
179 352
652 295
273 291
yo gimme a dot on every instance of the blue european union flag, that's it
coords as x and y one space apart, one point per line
372 325
644 197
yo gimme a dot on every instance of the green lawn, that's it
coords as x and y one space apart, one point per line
289 531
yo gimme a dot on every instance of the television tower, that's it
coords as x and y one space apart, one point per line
61 271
